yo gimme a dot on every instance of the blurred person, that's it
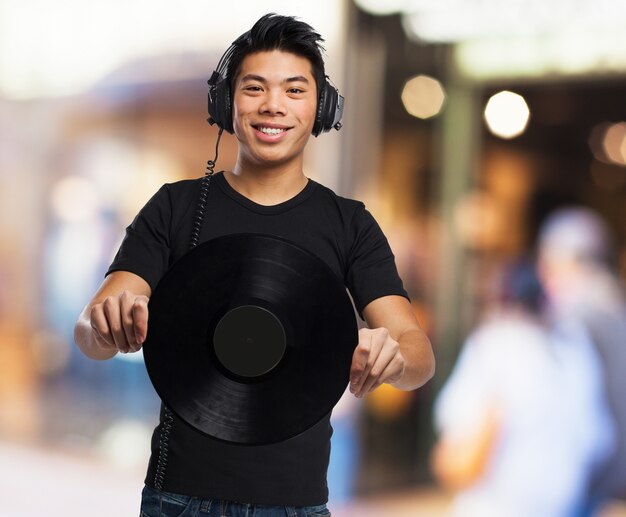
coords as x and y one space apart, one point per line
522 419
575 259
274 75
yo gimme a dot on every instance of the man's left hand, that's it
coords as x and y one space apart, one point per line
376 360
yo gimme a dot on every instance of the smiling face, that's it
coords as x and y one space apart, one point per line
274 107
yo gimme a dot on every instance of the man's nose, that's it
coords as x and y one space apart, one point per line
273 103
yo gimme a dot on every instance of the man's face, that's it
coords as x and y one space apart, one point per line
274 107
559 273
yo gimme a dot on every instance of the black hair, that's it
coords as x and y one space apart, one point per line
276 32
521 286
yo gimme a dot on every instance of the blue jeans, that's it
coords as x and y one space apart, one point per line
163 504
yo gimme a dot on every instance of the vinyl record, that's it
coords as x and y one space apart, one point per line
250 338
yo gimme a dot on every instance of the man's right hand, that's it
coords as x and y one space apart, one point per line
116 319
120 322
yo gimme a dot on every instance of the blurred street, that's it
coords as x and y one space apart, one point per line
71 485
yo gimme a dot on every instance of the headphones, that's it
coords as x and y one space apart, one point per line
329 102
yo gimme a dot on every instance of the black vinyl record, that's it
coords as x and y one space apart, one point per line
250 338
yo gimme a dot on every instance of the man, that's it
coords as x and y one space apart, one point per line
575 268
522 418
275 78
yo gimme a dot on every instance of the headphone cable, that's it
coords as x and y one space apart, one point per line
204 193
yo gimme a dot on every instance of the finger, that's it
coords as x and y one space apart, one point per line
359 363
394 371
385 357
359 366
111 307
100 326
391 372
140 319
127 300
359 359
376 345
359 356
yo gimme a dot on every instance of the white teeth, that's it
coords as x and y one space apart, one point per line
270 130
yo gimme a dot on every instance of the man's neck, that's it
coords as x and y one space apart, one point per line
267 186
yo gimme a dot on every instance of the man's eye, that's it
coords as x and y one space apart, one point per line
295 90
253 88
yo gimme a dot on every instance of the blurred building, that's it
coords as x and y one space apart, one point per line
462 183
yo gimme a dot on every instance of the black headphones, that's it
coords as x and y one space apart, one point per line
329 102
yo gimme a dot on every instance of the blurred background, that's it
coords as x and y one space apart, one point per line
466 124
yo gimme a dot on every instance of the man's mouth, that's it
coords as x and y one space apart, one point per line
270 130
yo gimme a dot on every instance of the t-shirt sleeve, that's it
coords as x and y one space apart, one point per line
145 249
372 270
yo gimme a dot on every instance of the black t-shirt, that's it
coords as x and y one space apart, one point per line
338 230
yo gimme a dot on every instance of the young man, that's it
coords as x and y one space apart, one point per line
275 78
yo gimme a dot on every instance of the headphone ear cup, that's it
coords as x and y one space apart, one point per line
326 109
220 108
317 125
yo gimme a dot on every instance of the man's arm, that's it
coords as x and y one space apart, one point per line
116 319
459 460
394 350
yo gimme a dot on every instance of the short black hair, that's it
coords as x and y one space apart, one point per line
276 32
521 286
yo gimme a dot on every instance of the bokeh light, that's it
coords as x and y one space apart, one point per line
607 142
614 143
507 114
423 96
596 136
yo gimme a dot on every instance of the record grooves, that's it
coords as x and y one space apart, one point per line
250 338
